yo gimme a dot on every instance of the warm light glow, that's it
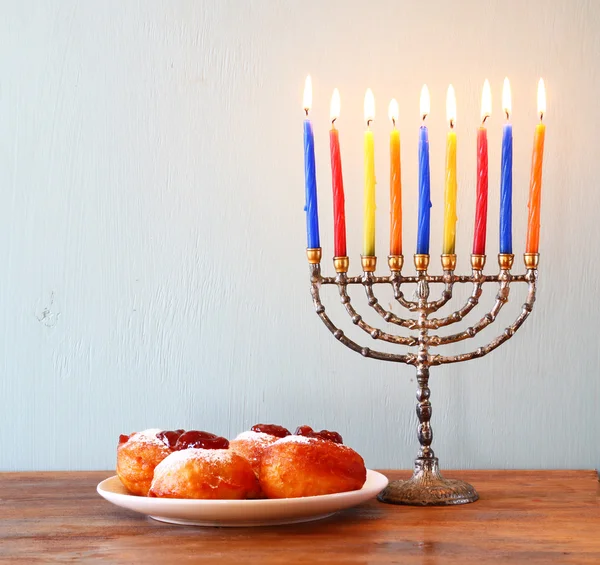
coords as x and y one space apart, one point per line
506 100
369 106
541 98
425 104
393 111
334 108
451 106
307 100
486 101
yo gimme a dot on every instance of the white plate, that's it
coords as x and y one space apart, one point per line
241 512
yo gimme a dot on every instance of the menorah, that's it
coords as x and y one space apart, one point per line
426 487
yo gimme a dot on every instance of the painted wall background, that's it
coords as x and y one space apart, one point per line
152 234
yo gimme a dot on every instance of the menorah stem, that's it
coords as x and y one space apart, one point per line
425 432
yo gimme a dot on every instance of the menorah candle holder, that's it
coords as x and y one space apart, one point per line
426 487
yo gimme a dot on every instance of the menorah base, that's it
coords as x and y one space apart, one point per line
427 487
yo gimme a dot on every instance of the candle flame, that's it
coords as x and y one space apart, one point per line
486 101
307 100
369 106
393 111
425 103
334 108
506 98
541 98
451 106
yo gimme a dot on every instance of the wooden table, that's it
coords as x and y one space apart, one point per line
522 517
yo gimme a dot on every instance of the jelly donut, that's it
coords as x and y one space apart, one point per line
204 474
137 456
139 453
300 465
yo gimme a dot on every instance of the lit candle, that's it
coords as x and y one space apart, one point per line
535 184
312 213
449 246
339 215
482 173
506 175
395 184
424 179
369 234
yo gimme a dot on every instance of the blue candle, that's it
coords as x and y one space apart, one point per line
506 191
312 213
424 219
506 176
310 176
424 194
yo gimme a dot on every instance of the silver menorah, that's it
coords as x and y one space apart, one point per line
426 487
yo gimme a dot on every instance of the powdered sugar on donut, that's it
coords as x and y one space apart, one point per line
297 439
259 438
147 436
306 440
173 462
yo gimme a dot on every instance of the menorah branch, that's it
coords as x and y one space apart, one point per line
505 336
388 316
357 319
484 322
459 314
409 359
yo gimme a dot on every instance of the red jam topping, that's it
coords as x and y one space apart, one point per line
307 431
180 439
331 436
203 440
271 429
169 438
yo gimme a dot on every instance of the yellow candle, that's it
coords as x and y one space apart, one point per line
369 233
450 218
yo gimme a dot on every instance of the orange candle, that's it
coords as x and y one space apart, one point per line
395 184
535 184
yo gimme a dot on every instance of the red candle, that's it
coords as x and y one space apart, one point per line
339 214
482 174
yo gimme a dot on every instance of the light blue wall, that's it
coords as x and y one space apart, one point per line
152 235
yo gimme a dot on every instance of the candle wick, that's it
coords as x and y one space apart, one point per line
484 119
394 122
369 122
541 116
424 116
507 115
333 121
451 124
306 112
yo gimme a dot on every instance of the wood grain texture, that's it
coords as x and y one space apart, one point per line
152 268
535 517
